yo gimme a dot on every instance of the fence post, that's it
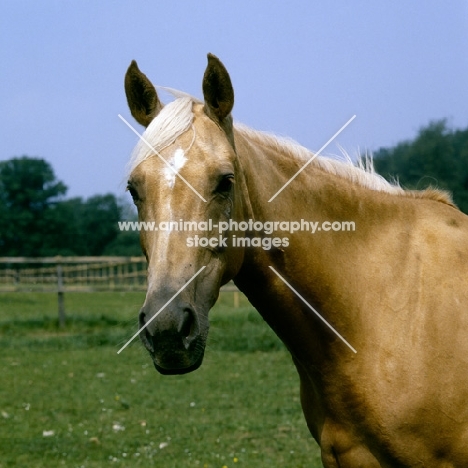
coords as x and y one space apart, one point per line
60 293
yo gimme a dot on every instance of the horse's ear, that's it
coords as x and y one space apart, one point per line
217 90
142 97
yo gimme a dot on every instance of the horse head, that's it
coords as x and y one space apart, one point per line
184 175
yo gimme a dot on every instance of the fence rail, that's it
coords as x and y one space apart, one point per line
84 274
78 274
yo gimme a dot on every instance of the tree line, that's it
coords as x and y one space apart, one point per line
36 218
437 157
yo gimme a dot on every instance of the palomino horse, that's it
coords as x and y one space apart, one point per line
395 287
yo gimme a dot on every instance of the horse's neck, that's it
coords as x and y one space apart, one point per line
312 263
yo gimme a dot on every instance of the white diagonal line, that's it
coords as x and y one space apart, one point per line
312 309
312 158
142 138
161 309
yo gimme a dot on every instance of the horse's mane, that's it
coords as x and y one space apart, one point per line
361 172
177 117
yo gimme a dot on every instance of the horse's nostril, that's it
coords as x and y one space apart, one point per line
145 335
148 341
141 319
186 326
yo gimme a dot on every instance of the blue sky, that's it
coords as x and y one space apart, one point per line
299 68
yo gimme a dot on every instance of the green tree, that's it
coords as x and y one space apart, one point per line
81 227
36 220
460 145
28 188
437 157
61 234
126 243
99 222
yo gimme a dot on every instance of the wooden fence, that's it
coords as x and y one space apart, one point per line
77 274
83 274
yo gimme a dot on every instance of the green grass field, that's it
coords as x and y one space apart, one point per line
68 399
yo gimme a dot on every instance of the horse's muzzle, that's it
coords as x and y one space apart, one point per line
173 339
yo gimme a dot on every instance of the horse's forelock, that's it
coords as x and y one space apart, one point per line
174 119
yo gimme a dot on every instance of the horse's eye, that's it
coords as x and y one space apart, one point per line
133 193
225 184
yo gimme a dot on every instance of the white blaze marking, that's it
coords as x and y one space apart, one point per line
169 172
177 163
